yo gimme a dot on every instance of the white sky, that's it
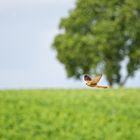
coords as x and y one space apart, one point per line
27 29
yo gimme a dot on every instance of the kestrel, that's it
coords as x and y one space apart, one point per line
93 82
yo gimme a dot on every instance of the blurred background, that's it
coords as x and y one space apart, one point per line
27 31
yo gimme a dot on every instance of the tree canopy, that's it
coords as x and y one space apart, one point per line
97 36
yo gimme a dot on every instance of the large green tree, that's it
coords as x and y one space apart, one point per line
97 36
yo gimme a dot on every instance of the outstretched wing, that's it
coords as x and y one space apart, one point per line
96 79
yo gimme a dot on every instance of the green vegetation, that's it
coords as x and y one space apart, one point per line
97 36
112 114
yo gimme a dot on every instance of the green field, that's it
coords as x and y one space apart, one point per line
111 114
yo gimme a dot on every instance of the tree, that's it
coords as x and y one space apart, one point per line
97 36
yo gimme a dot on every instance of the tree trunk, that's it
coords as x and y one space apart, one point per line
122 83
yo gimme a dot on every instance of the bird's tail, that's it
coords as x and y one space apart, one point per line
103 86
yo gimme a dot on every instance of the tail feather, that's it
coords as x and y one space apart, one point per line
103 86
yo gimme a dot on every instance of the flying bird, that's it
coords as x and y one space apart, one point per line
93 82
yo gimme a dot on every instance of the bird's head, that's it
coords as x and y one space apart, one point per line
87 78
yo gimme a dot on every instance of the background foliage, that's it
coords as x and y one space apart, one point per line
97 36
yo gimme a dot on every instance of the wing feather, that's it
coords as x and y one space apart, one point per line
96 79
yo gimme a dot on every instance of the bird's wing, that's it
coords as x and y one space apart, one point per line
96 79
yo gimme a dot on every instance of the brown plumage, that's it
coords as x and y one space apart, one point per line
93 82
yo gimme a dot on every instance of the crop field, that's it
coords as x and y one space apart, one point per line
110 114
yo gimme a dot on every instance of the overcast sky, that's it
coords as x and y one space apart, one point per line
27 29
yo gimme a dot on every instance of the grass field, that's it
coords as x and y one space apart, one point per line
70 114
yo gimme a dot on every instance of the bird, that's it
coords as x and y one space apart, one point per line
94 82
